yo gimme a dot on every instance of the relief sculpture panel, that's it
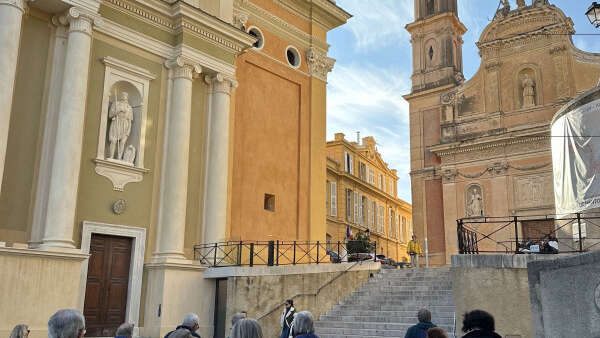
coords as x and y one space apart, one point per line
533 191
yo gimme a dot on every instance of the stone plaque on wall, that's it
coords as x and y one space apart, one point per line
533 191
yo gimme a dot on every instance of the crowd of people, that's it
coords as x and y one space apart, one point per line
476 324
70 323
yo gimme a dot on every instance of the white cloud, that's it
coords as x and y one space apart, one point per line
368 98
378 23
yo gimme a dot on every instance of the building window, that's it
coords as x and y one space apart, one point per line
372 213
260 40
356 218
293 56
430 7
269 202
381 181
348 205
333 199
348 163
371 176
365 211
363 171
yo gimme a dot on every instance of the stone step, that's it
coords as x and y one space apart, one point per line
393 323
368 332
396 313
414 307
401 292
405 300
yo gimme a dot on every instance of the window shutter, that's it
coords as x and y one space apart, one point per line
351 165
348 205
346 162
355 207
333 199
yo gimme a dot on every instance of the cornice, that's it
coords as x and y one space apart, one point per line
462 29
324 13
373 190
359 151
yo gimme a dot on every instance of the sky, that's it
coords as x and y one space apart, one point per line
372 72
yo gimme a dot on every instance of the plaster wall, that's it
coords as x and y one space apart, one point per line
34 285
262 291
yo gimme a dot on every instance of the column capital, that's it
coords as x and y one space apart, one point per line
78 20
319 64
220 83
18 4
183 68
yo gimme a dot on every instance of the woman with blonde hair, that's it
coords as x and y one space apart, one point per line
20 331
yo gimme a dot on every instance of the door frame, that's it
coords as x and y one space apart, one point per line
136 265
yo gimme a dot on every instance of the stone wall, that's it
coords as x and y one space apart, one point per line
34 285
497 284
565 296
261 291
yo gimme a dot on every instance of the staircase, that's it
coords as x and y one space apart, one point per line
387 305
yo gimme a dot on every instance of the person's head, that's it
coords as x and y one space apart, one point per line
414 237
289 303
246 328
237 317
20 331
436 332
478 320
125 330
191 320
66 323
303 324
181 333
124 96
424 316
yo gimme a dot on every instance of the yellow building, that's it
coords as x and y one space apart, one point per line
362 194
132 130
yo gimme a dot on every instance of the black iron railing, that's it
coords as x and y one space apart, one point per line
517 234
274 253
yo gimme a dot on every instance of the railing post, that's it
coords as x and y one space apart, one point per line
215 256
375 253
239 255
459 235
251 254
579 226
516 234
294 261
317 252
271 253
338 251
277 251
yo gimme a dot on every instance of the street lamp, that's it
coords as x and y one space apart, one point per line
593 13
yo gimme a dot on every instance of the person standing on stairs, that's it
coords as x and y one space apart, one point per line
287 317
420 330
414 250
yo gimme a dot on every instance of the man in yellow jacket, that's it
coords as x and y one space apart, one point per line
414 250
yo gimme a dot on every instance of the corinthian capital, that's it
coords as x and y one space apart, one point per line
183 68
220 83
319 64
18 4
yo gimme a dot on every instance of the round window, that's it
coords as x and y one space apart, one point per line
260 40
293 56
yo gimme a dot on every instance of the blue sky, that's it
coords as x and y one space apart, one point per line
373 69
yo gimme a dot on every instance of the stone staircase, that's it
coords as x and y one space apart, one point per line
387 305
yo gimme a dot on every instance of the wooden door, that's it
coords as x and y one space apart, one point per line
106 287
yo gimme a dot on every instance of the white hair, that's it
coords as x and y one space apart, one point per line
246 328
66 323
190 320
303 323
125 330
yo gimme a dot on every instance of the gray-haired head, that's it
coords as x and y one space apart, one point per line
237 317
20 331
424 316
246 328
125 330
181 333
303 323
191 320
66 323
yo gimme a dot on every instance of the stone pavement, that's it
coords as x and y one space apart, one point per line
387 305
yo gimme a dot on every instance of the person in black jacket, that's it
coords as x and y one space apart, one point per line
190 323
479 324
287 317
420 330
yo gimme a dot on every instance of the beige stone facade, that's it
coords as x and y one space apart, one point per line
481 147
362 194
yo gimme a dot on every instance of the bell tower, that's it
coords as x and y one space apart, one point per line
436 38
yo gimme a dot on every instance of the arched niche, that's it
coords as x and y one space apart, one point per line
528 91
121 138
474 204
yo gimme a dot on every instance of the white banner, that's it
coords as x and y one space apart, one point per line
576 159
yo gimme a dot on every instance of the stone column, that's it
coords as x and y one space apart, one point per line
62 195
217 164
11 15
173 201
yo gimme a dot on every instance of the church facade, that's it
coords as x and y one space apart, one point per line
481 147
132 130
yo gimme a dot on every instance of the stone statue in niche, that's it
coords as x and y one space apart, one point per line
129 155
520 3
528 91
474 202
120 115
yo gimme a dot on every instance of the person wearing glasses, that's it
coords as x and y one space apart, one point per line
287 317
20 331
66 323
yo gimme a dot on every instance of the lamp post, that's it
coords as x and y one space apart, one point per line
593 14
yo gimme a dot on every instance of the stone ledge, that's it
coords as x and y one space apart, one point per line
503 261
60 253
246 271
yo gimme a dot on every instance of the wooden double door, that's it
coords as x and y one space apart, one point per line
107 282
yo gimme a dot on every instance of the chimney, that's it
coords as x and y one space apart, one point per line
358 137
